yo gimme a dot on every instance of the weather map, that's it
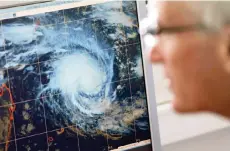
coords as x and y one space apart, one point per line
72 80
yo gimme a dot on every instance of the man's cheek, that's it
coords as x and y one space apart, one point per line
173 57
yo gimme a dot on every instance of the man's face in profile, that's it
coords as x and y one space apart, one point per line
193 59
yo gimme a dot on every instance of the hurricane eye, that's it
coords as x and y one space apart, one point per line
76 67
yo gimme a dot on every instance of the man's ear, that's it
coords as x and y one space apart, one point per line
225 48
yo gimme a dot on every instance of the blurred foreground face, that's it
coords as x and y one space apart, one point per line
195 62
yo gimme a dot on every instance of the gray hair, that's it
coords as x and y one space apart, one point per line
214 14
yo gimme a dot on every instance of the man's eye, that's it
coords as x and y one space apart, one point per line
153 31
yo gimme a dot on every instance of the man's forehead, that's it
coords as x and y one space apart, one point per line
173 12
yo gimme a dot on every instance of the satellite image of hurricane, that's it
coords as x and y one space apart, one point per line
72 80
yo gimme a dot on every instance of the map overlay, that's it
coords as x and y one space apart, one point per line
73 80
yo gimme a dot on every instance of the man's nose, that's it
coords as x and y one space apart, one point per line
152 47
155 53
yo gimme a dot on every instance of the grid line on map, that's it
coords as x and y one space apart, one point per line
89 53
29 100
142 104
129 78
38 63
129 9
10 141
30 136
35 63
130 89
66 39
128 62
95 32
37 134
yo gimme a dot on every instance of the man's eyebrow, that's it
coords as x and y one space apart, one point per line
161 24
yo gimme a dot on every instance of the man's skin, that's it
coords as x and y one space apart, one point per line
197 63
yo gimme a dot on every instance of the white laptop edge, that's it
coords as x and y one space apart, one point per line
15 3
150 89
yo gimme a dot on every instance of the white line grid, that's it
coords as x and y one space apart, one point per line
55 94
43 102
127 62
46 132
84 17
40 62
66 39
67 127
130 89
95 32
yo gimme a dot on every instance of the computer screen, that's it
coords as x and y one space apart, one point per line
72 78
